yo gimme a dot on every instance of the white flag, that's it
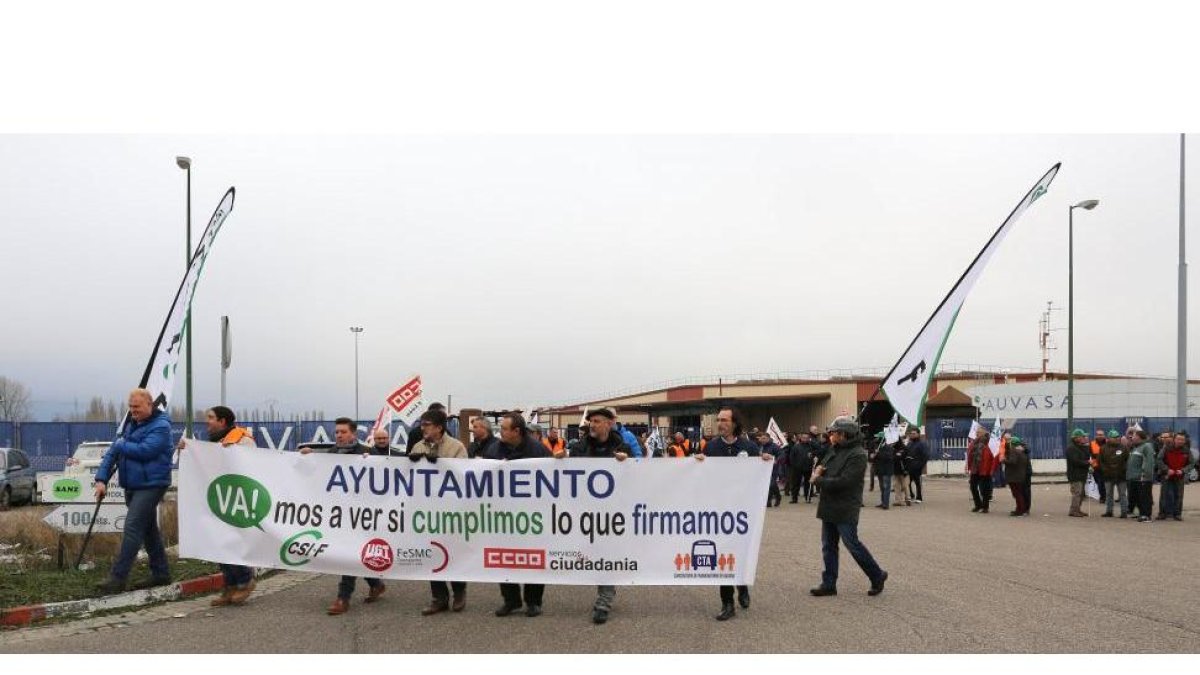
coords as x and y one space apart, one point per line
383 421
583 420
159 376
907 384
776 433
994 441
1091 489
891 433
407 401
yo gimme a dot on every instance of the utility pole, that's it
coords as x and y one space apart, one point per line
1044 331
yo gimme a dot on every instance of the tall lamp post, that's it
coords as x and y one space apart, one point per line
357 330
185 163
1087 205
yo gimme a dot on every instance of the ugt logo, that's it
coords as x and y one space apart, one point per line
377 555
704 556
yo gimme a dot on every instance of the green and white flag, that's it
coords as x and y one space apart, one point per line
907 384
159 377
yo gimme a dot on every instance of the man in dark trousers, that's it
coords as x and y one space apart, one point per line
1078 462
840 478
141 456
800 465
883 460
731 443
345 440
516 444
918 457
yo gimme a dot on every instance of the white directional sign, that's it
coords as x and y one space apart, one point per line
75 518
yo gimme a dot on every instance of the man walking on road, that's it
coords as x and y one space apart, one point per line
840 478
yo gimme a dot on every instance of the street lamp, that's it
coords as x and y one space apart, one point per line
1087 205
185 163
357 330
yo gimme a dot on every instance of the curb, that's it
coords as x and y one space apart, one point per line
16 617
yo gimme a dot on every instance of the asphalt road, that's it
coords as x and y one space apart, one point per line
959 582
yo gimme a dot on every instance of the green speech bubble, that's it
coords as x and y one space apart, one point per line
67 489
239 500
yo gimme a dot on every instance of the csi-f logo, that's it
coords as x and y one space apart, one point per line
301 548
377 555
515 558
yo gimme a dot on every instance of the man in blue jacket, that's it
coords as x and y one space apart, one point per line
141 457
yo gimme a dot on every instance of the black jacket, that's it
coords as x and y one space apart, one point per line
885 460
842 485
480 448
590 447
528 449
918 452
900 456
717 447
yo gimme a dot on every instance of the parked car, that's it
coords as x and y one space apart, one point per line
86 459
17 478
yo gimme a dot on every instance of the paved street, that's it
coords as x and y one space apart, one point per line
960 582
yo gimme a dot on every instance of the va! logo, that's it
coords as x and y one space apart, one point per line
239 500
377 555
301 548
704 556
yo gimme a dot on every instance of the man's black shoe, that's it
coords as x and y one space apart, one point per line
821 591
507 609
599 616
111 586
744 598
975 510
877 588
153 583
533 610
727 612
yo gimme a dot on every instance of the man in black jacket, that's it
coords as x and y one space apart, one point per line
600 440
345 437
731 443
516 443
799 466
918 457
840 478
883 459
481 429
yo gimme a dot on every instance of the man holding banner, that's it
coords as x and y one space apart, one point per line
141 456
517 444
436 443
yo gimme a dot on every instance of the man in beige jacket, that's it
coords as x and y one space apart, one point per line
436 444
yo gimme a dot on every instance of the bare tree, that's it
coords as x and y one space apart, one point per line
14 400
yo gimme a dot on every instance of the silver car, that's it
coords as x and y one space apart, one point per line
17 478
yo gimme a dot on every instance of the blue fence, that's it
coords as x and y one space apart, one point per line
49 444
1046 438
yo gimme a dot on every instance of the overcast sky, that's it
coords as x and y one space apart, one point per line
515 270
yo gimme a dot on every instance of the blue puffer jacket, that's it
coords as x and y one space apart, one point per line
630 440
142 456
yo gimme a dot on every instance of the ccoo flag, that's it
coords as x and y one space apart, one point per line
159 376
907 384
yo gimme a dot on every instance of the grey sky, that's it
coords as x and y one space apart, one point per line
511 270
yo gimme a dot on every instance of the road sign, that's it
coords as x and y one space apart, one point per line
75 518
57 488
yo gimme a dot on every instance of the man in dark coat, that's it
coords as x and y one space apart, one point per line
884 462
516 444
481 430
918 457
731 443
840 479
1079 457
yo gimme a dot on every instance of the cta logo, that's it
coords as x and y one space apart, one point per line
377 555
704 556
515 558
301 548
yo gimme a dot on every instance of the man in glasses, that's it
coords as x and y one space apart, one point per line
436 443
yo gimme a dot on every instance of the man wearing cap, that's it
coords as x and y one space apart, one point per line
1095 448
601 441
1078 461
1016 464
729 442
1139 473
840 477
1114 458
980 465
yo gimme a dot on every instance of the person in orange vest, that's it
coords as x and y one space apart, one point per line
222 428
1097 447
554 443
680 446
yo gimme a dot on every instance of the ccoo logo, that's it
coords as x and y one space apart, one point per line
377 555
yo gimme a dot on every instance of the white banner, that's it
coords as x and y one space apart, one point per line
776 434
907 385
568 521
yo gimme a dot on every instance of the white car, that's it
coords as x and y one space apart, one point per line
86 459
